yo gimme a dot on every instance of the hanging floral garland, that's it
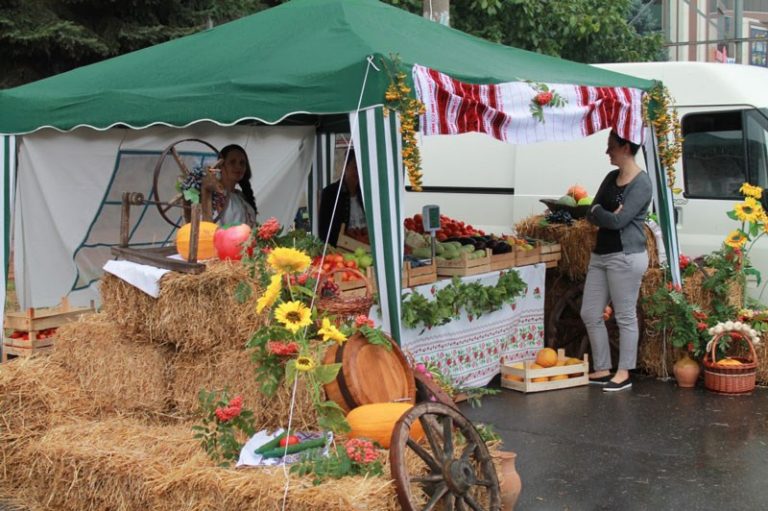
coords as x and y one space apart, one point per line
659 110
398 98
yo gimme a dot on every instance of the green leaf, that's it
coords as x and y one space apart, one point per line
732 215
243 292
326 373
755 273
192 195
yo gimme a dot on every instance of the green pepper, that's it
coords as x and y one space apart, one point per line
271 444
291 449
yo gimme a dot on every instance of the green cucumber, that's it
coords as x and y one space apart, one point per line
279 452
271 444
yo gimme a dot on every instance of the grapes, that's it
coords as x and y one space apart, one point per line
560 217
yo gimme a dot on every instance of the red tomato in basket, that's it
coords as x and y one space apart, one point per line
289 440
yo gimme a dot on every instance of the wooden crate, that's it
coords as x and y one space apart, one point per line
526 257
350 244
527 375
419 276
550 254
33 321
464 266
503 261
355 287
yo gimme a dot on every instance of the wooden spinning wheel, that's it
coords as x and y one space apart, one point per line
164 206
452 469
566 330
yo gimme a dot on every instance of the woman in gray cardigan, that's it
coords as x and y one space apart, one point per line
618 262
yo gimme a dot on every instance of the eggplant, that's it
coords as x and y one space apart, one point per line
491 243
502 247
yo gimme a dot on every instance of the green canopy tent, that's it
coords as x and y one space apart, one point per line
314 62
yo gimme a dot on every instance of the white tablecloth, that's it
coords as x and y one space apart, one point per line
470 349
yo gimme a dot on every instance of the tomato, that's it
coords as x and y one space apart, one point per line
229 242
289 440
327 267
350 264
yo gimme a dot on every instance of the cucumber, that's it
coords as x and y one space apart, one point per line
271 444
291 449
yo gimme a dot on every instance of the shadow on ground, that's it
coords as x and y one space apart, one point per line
654 447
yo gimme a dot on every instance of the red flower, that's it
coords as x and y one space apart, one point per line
701 326
232 410
543 98
268 229
282 348
361 451
690 346
363 320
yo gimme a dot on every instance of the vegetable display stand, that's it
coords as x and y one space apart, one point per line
34 330
350 243
465 265
526 257
525 379
550 254
732 375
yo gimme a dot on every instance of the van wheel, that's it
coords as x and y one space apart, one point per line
566 330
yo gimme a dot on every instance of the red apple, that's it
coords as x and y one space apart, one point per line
229 242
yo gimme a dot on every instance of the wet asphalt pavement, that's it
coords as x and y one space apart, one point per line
654 447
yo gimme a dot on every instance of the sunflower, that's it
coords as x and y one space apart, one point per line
288 260
736 239
751 191
305 363
331 333
293 315
748 211
270 294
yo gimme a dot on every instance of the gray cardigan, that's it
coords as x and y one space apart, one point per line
629 221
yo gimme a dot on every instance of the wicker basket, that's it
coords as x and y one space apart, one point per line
344 307
739 379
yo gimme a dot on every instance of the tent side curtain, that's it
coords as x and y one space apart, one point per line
524 112
376 138
8 161
321 176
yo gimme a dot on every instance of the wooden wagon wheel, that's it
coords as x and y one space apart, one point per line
428 390
178 200
453 468
566 330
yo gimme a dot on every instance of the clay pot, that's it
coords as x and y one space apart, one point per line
509 480
686 372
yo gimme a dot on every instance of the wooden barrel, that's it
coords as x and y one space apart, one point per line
370 373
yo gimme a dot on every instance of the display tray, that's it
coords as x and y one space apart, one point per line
462 265
575 211
349 243
526 257
418 276
503 261
521 379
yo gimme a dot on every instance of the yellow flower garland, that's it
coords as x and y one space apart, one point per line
659 110
398 98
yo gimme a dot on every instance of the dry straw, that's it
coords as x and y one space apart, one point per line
194 313
124 376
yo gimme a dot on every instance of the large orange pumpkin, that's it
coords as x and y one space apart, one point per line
377 421
205 248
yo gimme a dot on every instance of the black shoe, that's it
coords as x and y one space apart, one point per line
601 380
616 387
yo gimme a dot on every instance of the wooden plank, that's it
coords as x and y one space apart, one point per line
503 261
464 266
420 275
153 258
348 243
526 257
24 352
527 375
28 343
44 318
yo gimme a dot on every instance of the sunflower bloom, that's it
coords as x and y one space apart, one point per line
293 315
736 239
288 260
748 211
751 191
305 363
270 294
331 333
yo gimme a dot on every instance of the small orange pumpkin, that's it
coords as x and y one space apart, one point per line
377 421
205 247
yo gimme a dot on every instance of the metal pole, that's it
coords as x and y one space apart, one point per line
437 10
738 22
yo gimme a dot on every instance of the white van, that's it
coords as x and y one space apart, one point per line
724 115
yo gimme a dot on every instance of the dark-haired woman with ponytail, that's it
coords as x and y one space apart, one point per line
236 170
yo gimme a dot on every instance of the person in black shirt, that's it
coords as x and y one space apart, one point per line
618 262
349 210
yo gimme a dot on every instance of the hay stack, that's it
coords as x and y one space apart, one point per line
234 370
576 243
194 313
119 375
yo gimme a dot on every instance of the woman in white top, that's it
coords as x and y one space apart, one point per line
236 171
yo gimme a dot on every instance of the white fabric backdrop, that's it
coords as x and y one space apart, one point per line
64 177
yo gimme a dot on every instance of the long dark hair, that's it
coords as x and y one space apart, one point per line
245 182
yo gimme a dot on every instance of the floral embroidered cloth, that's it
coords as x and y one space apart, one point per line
469 349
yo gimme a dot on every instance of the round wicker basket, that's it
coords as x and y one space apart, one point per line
344 307
730 379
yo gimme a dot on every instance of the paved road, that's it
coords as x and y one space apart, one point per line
655 447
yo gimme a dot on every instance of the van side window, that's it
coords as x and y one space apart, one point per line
714 159
757 146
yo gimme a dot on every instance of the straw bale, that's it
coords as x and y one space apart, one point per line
761 350
576 243
118 374
195 313
233 369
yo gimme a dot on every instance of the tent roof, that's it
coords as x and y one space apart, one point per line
305 56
